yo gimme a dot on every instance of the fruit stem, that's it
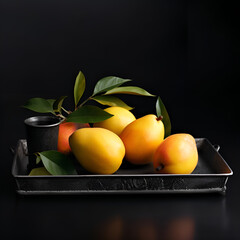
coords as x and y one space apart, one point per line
66 111
160 167
84 102
61 116
159 118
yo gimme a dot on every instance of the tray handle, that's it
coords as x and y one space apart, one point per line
217 147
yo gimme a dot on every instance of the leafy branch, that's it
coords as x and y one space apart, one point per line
102 93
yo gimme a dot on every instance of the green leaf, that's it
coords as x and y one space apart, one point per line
108 83
51 101
39 105
57 163
111 101
57 105
158 107
79 87
38 159
129 90
88 114
162 111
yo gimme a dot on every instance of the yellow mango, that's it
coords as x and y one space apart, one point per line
98 150
39 171
122 117
141 139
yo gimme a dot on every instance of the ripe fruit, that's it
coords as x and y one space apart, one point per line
39 171
65 131
177 154
122 117
98 150
141 139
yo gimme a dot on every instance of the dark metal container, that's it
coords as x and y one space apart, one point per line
42 135
210 175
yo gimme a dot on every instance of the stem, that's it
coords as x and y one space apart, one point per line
61 116
66 111
54 113
84 102
160 167
159 118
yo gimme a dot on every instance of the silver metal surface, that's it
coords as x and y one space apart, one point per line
210 175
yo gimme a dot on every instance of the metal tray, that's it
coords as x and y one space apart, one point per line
210 175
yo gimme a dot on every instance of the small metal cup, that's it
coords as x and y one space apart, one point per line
42 135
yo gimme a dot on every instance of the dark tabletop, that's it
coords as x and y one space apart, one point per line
140 216
185 51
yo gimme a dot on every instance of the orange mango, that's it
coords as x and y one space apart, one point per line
177 154
141 139
65 131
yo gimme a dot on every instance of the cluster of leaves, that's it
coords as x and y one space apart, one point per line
59 164
82 113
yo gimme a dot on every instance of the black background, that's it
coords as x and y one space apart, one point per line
185 51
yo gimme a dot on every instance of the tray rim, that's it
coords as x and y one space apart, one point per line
122 192
230 173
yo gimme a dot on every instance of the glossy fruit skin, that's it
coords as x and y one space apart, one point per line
39 171
141 139
98 150
122 117
177 154
65 131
